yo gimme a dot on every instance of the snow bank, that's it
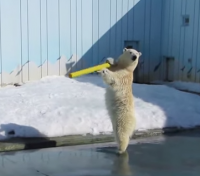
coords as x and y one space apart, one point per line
58 106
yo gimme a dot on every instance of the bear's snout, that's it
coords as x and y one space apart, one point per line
134 58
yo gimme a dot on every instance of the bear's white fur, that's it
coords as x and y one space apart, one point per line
119 97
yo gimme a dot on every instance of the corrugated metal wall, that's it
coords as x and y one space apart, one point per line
181 40
53 37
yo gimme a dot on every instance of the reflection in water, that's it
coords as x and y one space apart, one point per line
120 162
121 165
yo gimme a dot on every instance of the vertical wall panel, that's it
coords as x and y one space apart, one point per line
171 26
64 35
79 33
33 28
87 29
65 28
138 19
24 39
44 37
125 19
10 39
155 47
118 26
176 34
33 39
183 39
138 33
194 23
130 19
146 51
95 32
188 41
104 25
1 76
197 63
53 35
169 64
195 40
182 43
165 25
113 31
73 33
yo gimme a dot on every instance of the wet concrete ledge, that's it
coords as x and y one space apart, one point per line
16 144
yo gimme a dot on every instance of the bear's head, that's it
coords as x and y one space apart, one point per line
129 59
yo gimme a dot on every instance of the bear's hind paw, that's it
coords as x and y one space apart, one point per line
120 152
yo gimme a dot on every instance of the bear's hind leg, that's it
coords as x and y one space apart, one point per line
123 141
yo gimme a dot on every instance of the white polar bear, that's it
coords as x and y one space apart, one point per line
119 97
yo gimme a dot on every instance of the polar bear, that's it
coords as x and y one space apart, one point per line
119 97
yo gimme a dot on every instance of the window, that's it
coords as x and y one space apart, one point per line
186 20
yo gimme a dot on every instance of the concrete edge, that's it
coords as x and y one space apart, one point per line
16 144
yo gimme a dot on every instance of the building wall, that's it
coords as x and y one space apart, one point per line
43 37
181 40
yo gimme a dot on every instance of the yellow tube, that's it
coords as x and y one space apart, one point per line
89 70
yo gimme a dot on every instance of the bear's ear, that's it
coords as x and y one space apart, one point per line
140 54
125 49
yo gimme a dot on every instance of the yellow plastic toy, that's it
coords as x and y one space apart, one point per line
89 70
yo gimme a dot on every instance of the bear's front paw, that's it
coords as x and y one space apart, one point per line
110 60
104 71
107 76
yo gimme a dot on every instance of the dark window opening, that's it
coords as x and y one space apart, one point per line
129 47
186 20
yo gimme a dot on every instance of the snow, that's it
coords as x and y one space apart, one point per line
58 106
185 86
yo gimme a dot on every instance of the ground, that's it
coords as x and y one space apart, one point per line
160 156
57 106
